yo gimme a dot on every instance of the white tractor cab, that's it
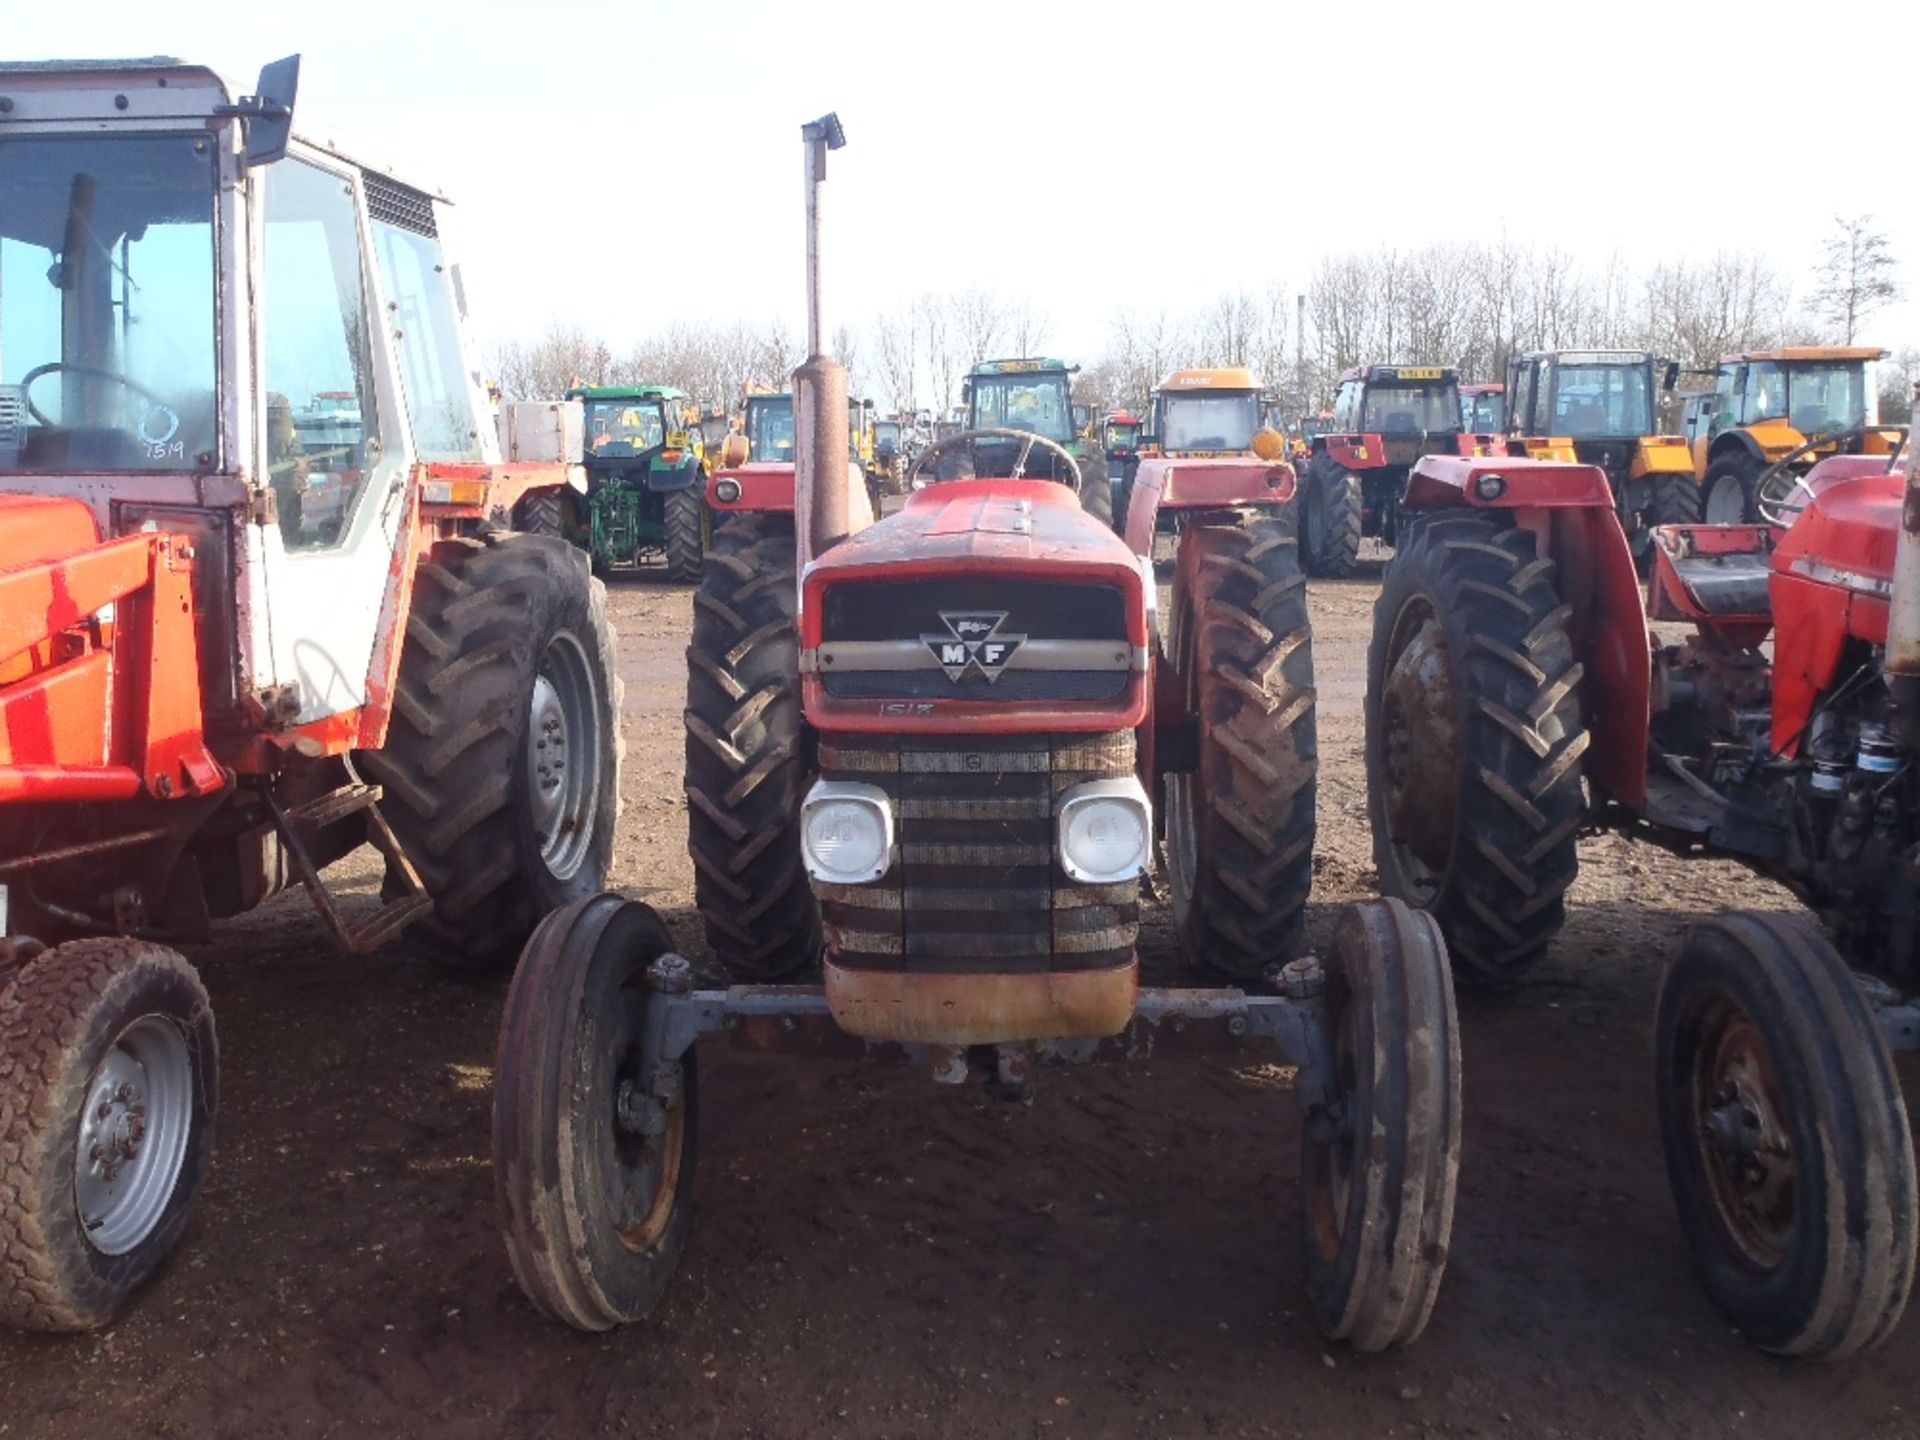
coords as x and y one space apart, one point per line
261 604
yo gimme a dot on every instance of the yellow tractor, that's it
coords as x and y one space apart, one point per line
1787 408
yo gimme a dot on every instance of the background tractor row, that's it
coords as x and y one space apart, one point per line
928 760
257 610
1518 695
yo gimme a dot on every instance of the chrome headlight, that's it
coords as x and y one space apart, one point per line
846 832
1105 831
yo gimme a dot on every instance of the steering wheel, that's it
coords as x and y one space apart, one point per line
1027 440
1780 494
26 388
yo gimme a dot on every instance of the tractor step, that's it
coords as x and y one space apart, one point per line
356 798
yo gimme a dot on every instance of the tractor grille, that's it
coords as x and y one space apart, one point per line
1405 449
974 637
975 884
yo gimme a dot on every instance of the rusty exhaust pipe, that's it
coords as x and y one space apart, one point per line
1903 618
829 497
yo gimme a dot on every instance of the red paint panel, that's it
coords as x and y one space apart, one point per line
1439 480
37 528
1163 483
1852 524
39 600
59 716
1356 452
764 488
1596 577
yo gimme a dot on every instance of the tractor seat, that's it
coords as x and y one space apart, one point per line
1727 586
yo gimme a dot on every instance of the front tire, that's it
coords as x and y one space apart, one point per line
1240 828
1786 1137
501 769
109 1081
684 525
1379 1178
746 761
1726 495
1474 740
1096 490
1332 511
595 1210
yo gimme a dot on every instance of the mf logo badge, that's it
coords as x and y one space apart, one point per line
974 642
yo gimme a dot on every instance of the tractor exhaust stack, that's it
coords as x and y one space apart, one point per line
830 503
1903 618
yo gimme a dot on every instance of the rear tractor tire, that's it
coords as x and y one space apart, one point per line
501 770
684 543
1379 1176
595 1192
1786 1137
746 762
1332 511
1474 740
1240 827
109 1080
1727 494
542 513
1096 490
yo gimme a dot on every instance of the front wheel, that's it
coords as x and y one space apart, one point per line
1786 1137
1381 1166
109 1078
1727 494
593 1152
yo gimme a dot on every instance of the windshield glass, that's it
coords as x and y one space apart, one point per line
1035 402
1123 437
1210 422
1410 409
886 432
1485 414
1821 398
624 428
770 429
107 303
1594 401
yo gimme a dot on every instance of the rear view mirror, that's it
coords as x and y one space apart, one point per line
267 114
1673 375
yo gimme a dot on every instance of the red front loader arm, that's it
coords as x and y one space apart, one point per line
99 670
1570 511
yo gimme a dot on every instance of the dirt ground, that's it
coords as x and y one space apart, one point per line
878 1256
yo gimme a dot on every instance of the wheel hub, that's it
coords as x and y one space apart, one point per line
133 1135
1420 747
1750 1169
563 756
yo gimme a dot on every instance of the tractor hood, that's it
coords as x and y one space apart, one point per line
992 603
1850 530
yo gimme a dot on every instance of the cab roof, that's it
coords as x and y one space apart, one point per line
1019 366
1787 354
1388 374
1233 377
625 392
158 87
1593 357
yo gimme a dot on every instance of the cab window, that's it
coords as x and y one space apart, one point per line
1766 393
321 420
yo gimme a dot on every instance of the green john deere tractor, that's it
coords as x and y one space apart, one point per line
646 473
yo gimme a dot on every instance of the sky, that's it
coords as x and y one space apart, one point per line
625 166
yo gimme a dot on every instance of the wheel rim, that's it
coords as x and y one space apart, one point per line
644 1179
563 756
1726 502
133 1135
1419 750
1736 1112
1330 1160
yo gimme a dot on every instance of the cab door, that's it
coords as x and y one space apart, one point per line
334 449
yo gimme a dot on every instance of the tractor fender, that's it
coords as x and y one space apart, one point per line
1353 452
1737 442
664 479
1161 484
1570 511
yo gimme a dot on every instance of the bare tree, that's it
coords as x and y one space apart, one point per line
1855 276
544 369
945 360
896 336
979 322
1026 327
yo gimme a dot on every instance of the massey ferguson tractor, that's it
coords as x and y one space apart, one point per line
234 647
1385 418
928 758
1517 696
1601 407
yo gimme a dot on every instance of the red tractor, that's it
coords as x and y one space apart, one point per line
922 762
1385 418
1516 696
241 635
